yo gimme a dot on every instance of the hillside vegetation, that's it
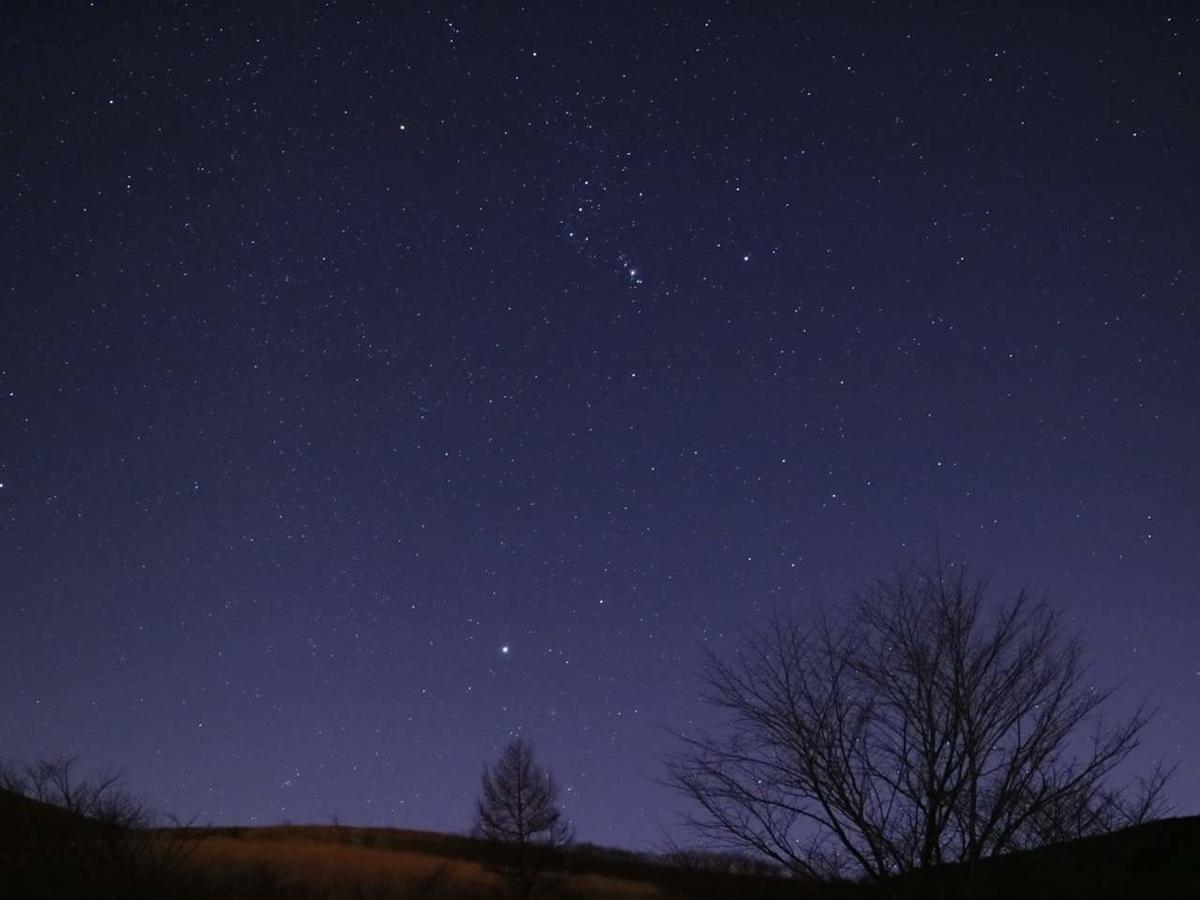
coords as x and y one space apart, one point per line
339 861
48 852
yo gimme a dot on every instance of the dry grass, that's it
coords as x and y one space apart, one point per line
333 868
604 887
334 863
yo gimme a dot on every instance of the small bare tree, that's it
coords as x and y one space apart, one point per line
103 839
518 806
920 727
518 801
58 782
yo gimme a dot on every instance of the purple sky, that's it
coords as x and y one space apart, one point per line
379 381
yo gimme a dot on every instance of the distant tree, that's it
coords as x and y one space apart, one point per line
518 801
518 806
922 726
725 862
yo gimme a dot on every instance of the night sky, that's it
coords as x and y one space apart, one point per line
380 381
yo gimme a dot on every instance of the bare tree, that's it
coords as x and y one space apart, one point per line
1098 809
518 806
518 801
103 838
58 782
921 726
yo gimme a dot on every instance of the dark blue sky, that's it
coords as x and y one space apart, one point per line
343 347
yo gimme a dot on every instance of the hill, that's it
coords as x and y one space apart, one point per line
25 819
48 852
1159 859
339 861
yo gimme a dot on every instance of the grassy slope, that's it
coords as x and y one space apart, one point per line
1159 860
339 861
365 858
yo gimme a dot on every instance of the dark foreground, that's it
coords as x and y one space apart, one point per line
48 853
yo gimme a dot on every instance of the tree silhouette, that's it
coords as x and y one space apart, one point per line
82 835
518 807
518 801
920 727
58 782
